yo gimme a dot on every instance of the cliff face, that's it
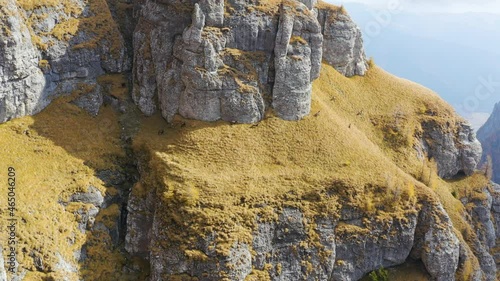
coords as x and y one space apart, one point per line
233 60
54 49
454 148
488 136
298 223
351 188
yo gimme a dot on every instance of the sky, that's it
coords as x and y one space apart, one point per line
447 6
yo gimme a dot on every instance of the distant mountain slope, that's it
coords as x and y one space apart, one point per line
489 136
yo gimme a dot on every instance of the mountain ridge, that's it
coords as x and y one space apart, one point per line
373 172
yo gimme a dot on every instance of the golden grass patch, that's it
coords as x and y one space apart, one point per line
56 154
216 174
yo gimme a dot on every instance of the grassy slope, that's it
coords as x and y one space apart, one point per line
357 142
56 153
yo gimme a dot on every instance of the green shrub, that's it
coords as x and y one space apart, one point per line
379 275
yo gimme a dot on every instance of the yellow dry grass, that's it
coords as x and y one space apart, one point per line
116 85
269 7
322 5
356 146
297 40
33 4
217 174
66 29
56 153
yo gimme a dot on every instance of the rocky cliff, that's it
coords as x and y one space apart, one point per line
234 60
379 173
313 220
52 49
488 135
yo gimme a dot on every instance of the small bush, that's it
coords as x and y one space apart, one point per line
379 275
298 40
44 64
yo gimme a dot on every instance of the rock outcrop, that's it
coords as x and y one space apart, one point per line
343 43
21 80
482 216
53 50
488 135
455 151
344 248
234 60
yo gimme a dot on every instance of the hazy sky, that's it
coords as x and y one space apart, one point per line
454 6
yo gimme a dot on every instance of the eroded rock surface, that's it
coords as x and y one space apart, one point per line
348 247
343 43
233 60
456 151
59 49
21 80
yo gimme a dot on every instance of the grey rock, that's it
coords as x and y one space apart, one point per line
488 136
351 246
90 102
232 61
373 247
139 223
86 218
280 244
3 272
343 42
21 81
436 244
292 85
30 78
214 11
309 3
240 261
92 196
454 153
64 266
495 208
481 215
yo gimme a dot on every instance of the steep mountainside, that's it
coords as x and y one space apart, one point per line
344 169
489 135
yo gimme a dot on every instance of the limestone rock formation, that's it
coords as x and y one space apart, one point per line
21 80
61 47
349 246
488 135
343 42
234 60
483 215
455 151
